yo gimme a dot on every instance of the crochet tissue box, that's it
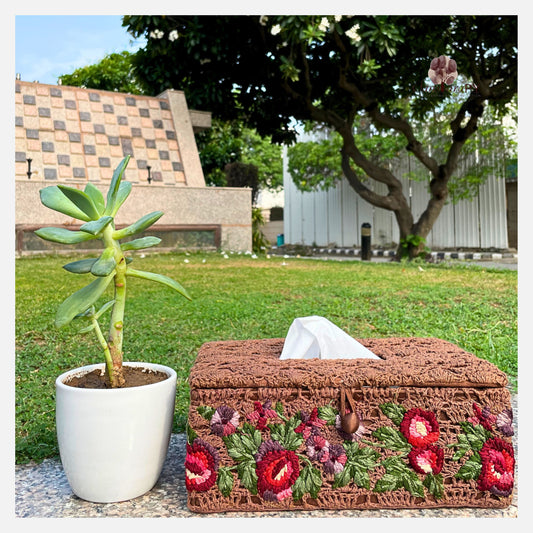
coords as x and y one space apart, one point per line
426 425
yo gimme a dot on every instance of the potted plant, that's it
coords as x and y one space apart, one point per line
113 419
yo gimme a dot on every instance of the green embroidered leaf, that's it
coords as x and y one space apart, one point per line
225 480
206 412
393 411
309 481
191 434
471 469
254 434
392 439
247 475
249 444
462 446
435 485
361 477
279 408
285 434
387 483
476 435
342 478
237 449
412 483
364 458
328 413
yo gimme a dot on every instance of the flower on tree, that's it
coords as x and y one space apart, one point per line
427 460
262 414
324 24
224 421
311 424
353 35
201 466
497 467
173 35
277 469
156 34
275 29
420 428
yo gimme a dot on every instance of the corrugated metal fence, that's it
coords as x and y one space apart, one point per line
334 217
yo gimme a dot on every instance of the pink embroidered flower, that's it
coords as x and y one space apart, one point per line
427 460
311 424
497 467
317 448
442 69
225 421
504 422
277 469
356 435
420 427
483 417
262 414
336 461
201 466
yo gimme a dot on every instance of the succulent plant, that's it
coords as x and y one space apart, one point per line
110 268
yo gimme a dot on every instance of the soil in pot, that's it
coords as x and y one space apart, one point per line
134 376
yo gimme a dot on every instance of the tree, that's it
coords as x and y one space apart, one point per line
333 70
113 73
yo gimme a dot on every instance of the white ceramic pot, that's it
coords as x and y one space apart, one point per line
113 442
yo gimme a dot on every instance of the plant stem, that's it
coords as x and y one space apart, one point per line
117 315
105 348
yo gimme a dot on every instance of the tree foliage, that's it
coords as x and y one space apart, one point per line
113 73
333 70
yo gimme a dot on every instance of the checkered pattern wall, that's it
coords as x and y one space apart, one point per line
78 135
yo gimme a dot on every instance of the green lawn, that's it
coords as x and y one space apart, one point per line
245 298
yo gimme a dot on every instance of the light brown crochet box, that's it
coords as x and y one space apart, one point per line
431 427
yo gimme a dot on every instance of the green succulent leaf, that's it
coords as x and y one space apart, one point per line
63 236
160 278
96 196
123 192
143 223
105 264
53 198
104 308
81 300
139 244
80 267
81 200
115 184
94 227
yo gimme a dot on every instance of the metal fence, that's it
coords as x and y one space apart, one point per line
334 217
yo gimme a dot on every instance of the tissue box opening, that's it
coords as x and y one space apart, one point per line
265 434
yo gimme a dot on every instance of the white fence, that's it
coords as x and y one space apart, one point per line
334 217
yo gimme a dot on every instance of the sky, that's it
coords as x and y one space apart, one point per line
47 46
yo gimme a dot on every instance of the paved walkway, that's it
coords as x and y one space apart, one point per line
42 491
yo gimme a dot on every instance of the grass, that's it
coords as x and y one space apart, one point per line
246 298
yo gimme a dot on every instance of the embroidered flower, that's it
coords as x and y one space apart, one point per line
225 421
504 422
311 424
442 69
336 460
427 460
497 467
277 469
420 427
317 448
356 435
262 414
201 466
483 417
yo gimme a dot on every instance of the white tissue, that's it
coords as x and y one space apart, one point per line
315 336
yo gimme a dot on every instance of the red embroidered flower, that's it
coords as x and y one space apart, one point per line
262 414
225 421
483 417
277 469
427 460
201 466
311 424
317 448
420 427
336 461
497 467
